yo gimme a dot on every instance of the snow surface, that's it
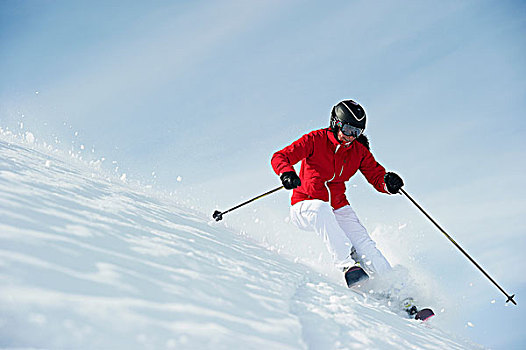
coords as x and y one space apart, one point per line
89 260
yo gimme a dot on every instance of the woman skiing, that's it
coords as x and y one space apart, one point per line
329 158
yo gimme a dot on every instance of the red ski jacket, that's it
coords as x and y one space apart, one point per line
326 165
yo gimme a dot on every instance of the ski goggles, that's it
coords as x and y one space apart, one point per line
349 130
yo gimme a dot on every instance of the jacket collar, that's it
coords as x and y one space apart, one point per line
332 137
361 139
334 140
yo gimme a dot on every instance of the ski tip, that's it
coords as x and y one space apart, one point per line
355 275
424 314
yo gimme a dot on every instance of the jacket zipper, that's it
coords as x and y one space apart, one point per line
333 176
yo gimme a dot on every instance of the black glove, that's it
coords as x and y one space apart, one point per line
393 182
290 180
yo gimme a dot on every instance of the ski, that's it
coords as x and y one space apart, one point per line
424 314
413 312
354 275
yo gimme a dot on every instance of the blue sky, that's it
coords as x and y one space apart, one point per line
207 91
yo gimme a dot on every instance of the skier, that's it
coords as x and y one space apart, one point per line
329 158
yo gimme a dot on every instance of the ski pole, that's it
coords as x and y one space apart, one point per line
217 215
510 298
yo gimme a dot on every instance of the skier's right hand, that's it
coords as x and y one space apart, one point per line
290 180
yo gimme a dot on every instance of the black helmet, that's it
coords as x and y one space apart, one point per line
348 112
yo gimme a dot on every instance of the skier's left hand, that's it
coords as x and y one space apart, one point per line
393 182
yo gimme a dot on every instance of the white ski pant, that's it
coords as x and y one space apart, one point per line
341 231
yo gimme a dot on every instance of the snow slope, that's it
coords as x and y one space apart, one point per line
91 261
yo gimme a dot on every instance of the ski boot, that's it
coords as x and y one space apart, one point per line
408 306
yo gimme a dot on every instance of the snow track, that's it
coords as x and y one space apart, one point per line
89 261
